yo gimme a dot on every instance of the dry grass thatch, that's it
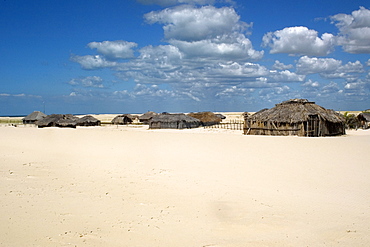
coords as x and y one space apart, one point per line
364 116
33 117
220 116
145 118
88 121
295 117
123 119
364 119
58 120
296 111
207 118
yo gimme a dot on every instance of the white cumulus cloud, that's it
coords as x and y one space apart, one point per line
114 49
354 30
90 62
89 81
239 70
286 76
311 84
281 66
275 94
189 23
311 65
227 47
300 41
329 68
331 88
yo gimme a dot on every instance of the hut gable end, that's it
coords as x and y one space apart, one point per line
33 117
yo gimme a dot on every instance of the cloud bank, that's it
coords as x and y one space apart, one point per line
354 29
299 41
208 56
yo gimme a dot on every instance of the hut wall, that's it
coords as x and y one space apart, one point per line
332 129
188 125
163 125
319 128
173 125
154 125
273 128
29 121
89 124
170 125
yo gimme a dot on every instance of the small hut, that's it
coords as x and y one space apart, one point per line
88 121
58 120
364 119
207 118
173 121
123 119
295 117
145 118
33 117
220 116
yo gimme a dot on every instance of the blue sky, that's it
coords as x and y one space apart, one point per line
131 56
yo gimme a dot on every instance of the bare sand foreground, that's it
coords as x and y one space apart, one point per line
125 186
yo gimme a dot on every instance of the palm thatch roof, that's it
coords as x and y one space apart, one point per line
58 120
67 122
296 111
88 121
147 116
364 116
220 116
206 118
33 117
123 119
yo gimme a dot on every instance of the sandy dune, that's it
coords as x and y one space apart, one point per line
126 186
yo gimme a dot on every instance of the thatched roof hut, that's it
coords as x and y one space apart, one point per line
207 118
295 117
123 119
220 116
33 117
173 121
364 118
88 121
58 120
145 118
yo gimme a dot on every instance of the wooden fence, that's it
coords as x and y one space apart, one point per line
231 125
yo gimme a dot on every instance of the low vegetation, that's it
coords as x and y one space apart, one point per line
10 121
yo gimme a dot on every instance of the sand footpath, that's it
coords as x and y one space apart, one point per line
129 186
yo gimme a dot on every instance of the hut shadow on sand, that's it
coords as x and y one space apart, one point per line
295 117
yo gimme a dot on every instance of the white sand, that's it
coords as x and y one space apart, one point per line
131 187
